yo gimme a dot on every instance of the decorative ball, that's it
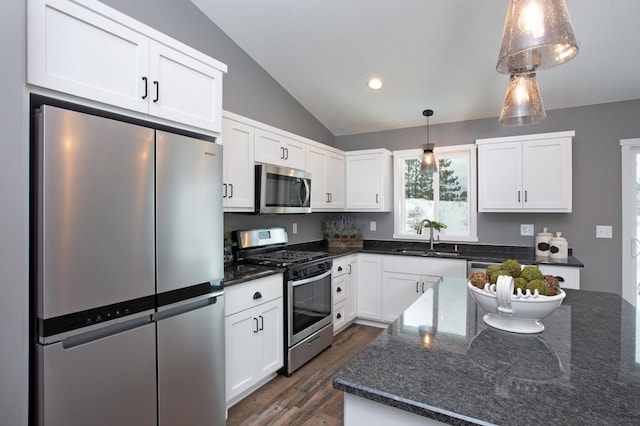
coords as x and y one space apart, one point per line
478 279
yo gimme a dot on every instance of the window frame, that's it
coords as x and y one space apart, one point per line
399 213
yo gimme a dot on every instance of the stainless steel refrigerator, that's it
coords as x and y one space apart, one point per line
130 305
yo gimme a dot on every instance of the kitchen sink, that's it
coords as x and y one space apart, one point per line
426 253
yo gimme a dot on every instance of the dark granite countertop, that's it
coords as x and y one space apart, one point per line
237 273
473 252
582 370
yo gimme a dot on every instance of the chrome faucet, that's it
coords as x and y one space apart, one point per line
431 240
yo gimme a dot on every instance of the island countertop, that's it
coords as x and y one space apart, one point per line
440 361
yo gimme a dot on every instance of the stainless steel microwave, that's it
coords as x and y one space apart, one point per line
282 190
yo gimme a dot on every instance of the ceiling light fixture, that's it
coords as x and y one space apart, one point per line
428 164
375 84
522 103
537 35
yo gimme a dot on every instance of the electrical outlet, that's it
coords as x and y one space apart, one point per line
526 229
604 231
294 228
372 226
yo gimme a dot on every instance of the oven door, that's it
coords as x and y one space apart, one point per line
309 306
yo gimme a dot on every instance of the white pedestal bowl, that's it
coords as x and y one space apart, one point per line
517 313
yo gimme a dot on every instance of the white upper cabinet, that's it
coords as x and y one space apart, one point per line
88 50
327 170
238 167
530 173
369 180
273 148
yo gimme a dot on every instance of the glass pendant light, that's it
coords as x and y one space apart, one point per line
537 35
522 103
428 163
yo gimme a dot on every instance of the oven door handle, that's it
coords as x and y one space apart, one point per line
310 279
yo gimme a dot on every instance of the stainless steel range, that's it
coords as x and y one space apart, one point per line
307 291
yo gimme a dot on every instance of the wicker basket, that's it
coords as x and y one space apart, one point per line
344 242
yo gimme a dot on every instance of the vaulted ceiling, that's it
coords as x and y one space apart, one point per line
437 54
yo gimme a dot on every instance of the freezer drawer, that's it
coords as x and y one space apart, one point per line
191 361
106 382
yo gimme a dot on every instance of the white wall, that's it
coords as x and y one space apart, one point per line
13 216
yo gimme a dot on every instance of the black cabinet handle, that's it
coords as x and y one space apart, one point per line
261 323
339 290
339 268
526 198
349 269
423 287
518 196
377 198
286 153
339 316
224 190
559 278
256 324
146 88
281 153
155 83
231 193
257 295
417 284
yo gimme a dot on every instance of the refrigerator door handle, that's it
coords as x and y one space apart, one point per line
101 333
187 306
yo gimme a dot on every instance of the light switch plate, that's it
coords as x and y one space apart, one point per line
294 228
604 231
526 229
372 226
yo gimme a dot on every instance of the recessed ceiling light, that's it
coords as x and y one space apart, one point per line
375 83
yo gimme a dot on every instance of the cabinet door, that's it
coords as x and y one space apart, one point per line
271 335
334 178
369 287
240 346
363 182
76 51
280 150
351 307
183 89
238 169
500 176
399 291
316 165
546 174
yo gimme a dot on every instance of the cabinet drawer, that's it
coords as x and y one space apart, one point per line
252 293
339 316
339 267
569 277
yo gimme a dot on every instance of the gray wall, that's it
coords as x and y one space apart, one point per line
596 182
13 217
248 89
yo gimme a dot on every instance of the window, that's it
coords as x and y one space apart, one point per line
448 197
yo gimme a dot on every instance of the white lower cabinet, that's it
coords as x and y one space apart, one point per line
344 292
568 276
369 287
406 278
253 335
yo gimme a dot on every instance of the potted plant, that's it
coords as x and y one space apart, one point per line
342 231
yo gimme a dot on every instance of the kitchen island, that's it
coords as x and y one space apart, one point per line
439 363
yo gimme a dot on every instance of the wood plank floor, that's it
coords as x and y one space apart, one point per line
308 396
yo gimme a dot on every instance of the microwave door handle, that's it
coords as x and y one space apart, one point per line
307 193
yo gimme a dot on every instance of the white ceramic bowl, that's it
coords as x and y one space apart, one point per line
517 313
